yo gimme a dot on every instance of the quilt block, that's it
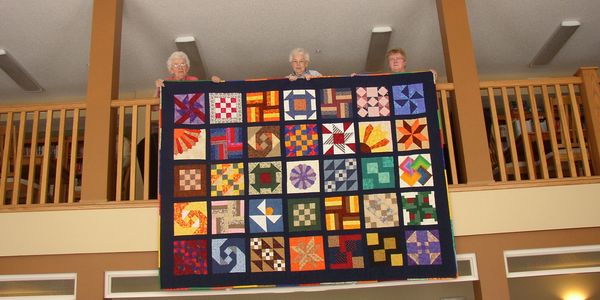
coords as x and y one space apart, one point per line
272 182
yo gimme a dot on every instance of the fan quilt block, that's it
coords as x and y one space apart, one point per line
273 182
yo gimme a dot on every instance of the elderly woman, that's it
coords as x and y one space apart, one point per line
299 60
178 65
397 61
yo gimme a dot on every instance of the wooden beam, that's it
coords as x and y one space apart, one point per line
103 86
467 114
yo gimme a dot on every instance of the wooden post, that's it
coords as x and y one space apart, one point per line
467 115
590 99
103 86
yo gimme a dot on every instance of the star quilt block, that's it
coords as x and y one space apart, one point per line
378 172
304 214
227 216
225 108
373 101
190 180
340 175
227 179
189 108
189 143
336 103
342 212
306 253
418 208
228 255
412 134
338 138
381 210
226 143
301 140
264 141
262 106
265 178
190 218
409 99
345 251
299 105
267 254
375 137
265 215
303 177
415 170
423 247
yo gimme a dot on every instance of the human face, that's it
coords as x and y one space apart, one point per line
179 68
299 64
397 62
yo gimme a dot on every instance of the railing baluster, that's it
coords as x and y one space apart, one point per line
538 132
549 109
6 156
524 135
58 174
46 158
120 134
73 156
496 136
579 131
565 131
134 117
17 169
448 133
32 159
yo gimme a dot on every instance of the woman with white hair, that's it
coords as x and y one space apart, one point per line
299 60
178 65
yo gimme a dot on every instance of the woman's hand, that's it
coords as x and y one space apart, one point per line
159 83
216 79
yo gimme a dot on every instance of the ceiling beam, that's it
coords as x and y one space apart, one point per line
18 73
380 40
187 44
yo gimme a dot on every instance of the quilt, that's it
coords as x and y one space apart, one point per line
272 182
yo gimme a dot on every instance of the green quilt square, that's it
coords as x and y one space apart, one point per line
304 214
378 172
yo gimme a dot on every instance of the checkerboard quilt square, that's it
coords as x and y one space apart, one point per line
262 106
412 134
336 103
264 141
415 170
423 247
228 255
189 143
381 210
373 101
304 214
190 257
342 213
303 177
301 140
409 99
265 178
306 253
345 251
299 105
340 175
227 179
190 180
227 216
375 137
338 138
267 254
225 108
226 143
266 215
378 172
190 218
418 208
189 109
385 249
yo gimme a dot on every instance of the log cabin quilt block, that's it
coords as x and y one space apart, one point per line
272 182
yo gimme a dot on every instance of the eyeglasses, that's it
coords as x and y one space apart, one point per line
183 65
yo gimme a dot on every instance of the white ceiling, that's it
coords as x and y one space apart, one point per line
240 39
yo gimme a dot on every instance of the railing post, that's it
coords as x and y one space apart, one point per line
467 114
590 99
103 86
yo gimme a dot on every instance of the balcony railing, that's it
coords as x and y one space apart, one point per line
538 131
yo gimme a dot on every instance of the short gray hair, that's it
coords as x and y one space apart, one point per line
175 55
299 51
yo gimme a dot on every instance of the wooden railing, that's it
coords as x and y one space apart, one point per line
536 129
537 132
41 148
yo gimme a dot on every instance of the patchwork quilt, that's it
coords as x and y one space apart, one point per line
272 182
